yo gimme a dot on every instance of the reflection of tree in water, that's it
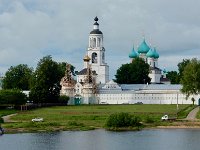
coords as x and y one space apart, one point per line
94 57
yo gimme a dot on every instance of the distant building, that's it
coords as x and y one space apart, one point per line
92 85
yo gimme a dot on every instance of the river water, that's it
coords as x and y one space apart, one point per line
158 139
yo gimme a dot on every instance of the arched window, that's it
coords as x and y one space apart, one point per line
94 42
103 57
98 42
91 40
94 58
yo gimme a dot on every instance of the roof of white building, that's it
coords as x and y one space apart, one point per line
129 88
151 86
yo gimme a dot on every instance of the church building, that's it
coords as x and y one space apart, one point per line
92 85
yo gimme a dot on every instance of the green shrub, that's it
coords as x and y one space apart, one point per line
12 97
123 120
63 99
1 120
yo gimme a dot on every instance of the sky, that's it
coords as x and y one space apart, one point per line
32 29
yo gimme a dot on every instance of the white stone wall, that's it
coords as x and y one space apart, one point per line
162 97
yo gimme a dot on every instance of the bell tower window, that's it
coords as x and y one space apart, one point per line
94 58
103 57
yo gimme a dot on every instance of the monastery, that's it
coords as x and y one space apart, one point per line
92 85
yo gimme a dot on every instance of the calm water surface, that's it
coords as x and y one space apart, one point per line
159 139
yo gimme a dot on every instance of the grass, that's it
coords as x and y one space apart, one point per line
182 113
86 117
198 115
4 112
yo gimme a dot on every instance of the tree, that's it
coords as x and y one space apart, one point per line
181 67
12 97
191 78
134 73
45 85
173 76
62 68
193 100
18 77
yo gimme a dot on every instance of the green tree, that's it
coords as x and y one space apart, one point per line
173 76
45 85
134 73
62 68
18 77
12 97
191 78
181 67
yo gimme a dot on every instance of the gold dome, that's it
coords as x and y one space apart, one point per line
86 58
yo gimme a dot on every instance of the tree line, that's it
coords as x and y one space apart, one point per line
43 82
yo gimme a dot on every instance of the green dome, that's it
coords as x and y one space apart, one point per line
150 53
133 54
143 48
156 55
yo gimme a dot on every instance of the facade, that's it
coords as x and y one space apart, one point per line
112 93
92 85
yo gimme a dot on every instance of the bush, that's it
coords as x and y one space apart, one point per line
12 97
63 99
123 120
1 120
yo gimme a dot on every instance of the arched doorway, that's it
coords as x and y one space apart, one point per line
77 100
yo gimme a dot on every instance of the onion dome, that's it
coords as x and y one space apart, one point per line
133 54
164 71
156 55
96 27
143 48
86 58
150 53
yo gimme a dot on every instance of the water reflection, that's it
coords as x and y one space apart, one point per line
165 139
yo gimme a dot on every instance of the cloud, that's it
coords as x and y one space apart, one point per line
31 29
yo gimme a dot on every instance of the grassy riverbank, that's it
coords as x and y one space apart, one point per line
88 117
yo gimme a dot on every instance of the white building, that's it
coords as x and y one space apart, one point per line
93 85
112 93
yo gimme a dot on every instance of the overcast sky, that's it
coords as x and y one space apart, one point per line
32 29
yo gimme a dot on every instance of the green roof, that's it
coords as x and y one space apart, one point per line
143 48
133 54
151 53
156 55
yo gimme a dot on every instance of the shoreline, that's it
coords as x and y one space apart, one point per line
23 130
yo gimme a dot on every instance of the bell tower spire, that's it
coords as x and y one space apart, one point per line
96 52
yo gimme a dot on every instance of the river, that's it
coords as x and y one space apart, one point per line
157 139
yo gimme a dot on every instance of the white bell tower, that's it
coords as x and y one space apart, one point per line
96 52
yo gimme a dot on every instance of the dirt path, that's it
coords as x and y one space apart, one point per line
192 114
7 118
